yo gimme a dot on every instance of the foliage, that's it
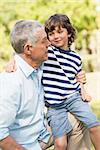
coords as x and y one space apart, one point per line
81 12
95 105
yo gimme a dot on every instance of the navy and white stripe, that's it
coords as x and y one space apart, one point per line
59 75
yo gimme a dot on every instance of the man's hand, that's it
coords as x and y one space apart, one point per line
43 145
81 77
11 66
9 143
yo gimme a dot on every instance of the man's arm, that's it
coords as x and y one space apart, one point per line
9 104
8 143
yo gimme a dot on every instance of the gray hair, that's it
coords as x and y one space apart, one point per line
22 32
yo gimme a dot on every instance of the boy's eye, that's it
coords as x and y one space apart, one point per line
60 31
50 34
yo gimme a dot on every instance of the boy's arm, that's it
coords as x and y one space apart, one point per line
84 94
80 73
81 77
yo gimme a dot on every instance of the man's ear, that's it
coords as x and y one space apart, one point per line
27 49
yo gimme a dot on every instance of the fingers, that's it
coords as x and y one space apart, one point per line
86 97
43 145
11 66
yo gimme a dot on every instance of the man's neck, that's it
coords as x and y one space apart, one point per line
32 63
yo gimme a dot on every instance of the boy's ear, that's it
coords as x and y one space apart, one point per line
69 35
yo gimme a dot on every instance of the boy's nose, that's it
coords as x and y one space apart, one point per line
56 35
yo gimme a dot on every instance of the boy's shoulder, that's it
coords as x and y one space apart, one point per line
74 52
51 47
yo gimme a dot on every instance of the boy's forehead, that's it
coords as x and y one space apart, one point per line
57 28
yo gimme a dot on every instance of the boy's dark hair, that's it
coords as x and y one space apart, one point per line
60 20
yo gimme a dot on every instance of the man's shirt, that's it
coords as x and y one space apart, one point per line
21 106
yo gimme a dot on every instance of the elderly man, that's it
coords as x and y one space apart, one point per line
21 94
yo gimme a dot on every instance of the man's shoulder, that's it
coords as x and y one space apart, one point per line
12 75
10 78
10 84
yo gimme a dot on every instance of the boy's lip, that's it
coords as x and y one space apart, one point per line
57 41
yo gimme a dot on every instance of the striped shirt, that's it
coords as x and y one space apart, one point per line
59 75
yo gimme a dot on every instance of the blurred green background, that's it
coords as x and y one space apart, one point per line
85 17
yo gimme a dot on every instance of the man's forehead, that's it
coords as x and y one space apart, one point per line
41 34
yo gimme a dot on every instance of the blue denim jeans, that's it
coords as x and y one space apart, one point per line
58 119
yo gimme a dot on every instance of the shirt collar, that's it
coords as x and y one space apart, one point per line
62 50
24 66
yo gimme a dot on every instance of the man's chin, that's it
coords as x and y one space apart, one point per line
46 58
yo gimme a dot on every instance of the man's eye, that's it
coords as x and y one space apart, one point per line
44 41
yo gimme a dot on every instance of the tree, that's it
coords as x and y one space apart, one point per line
81 12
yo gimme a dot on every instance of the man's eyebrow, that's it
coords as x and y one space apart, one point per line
45 38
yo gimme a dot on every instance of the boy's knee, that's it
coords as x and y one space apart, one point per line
94 129
61 144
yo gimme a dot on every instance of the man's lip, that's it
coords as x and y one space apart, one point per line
46 52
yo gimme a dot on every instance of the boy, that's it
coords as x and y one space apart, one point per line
62 91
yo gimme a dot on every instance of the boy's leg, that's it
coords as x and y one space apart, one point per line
60 125
79 138
60 143
84 113
95 136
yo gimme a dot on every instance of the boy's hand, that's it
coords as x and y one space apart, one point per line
85 96
81 77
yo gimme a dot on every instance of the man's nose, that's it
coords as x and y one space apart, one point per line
48 44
